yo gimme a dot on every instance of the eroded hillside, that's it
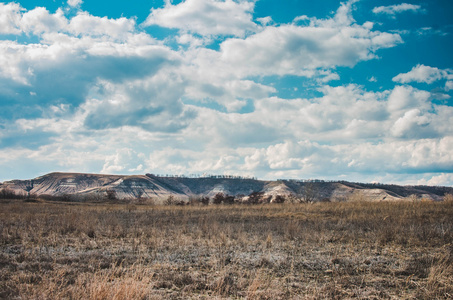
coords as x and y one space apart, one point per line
107 187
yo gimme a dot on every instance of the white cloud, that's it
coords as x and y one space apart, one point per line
422 73
308 159
387 157
411 125
326 76
124 160
449 85
323 137
301 19
232 94
431 31
265 21
298 50
192 41
10 16
403 98
152 103
14 19
39 21
75 43
344 114
75 3
86 24
206 17
444 179
399 8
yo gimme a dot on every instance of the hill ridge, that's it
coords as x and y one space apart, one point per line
184 187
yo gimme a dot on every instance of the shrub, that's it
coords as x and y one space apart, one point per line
171 200
221 198
279 199
204 200
255 198
7 193
111 195
218 198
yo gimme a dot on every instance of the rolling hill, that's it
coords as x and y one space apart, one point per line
100 186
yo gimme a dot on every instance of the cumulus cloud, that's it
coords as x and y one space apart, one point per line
192 41
86 24
265 21
395 9
403 98
206 17
297 50
444 179
124 160
14 20
346 131
10 16
319 160
343 114
152 103
72 55
449 85
39 20
422 73
312 50
411 125
75 3
309 159
66 70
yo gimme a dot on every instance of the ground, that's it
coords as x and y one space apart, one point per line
385 250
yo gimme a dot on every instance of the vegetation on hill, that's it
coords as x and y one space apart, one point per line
150 188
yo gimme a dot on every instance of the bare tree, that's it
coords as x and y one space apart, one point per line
205 200
279 199
308 192
255 197
111 195
218 198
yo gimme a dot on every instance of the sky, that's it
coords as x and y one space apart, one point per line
356 90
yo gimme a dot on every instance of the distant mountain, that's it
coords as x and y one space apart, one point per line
108 187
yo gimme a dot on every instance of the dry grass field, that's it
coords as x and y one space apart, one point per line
387 250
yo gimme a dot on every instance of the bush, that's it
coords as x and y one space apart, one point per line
204 200
221 198
171 200
279 199
256 197
218 198
7 193
111 195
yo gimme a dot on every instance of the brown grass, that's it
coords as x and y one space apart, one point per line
277 251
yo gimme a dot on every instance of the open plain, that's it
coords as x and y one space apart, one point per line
362 250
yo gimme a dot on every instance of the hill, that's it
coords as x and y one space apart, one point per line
102 187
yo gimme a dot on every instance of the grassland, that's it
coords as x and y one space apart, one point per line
387 250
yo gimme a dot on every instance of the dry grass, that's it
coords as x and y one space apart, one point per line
281 251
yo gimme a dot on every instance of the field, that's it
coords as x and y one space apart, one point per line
386 250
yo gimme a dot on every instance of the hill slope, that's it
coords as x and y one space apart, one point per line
160 188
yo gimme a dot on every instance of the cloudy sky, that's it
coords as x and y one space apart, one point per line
356 90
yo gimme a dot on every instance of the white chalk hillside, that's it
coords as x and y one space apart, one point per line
160 188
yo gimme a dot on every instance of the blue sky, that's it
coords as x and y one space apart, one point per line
354 90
